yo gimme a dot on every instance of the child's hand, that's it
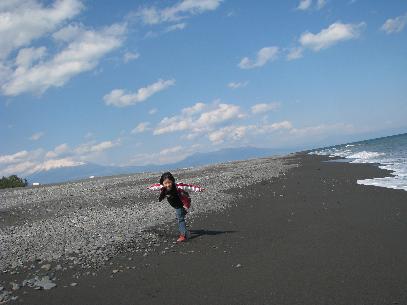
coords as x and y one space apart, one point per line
162 195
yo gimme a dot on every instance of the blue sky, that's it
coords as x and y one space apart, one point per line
138 82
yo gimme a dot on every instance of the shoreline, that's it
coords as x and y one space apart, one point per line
311 236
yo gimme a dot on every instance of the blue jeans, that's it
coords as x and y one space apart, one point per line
181 220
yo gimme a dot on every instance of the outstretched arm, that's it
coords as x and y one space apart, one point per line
155 187
158 187
190 187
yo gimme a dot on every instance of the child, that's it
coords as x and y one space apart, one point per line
177 198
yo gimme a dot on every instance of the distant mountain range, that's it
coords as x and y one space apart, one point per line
86 170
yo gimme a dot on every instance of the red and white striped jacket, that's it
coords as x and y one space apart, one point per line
182 189
182 186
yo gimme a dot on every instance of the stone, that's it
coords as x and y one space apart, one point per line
15 286
5 296
45 283
58 267
46 267
49 285
110 227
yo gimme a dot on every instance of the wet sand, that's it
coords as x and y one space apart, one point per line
310 236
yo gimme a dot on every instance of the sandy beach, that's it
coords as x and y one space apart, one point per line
300 231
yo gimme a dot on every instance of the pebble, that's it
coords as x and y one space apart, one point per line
46 267
95 205
5 296
58 267
45 283
15 286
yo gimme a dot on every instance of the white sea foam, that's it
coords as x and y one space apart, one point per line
390 153
389 182
366 157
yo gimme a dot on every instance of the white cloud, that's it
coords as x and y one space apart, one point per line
235 85
23 21
60 149
394 25
165 155
68 33
81 54
198 107
231 133
183 9
304 5
88 135
5 72
30 167
87 148
223 112
275 126
51 154
284 131
120 98
335 33
170 150
173 124
231 14
294 53
238 133
321 4
36 136
17 157
141 127
56 163
25 167
264 55
175 27
152 111
129 56
199 123
323 129
27 56
264 107
27 162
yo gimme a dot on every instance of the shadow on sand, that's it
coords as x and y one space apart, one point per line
194 233
198 233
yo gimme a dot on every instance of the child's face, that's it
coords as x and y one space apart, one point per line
167 184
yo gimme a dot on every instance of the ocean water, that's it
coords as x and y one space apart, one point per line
387 152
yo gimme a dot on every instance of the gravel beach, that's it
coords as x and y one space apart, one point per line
86 223
280 230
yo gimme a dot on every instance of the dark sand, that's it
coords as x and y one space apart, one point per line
313 236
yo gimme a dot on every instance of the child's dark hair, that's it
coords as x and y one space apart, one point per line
167 175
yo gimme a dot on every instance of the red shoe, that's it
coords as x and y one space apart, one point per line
181 238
